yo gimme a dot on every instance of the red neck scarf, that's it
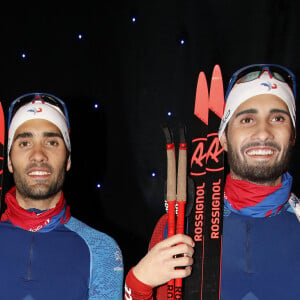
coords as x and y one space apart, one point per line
243 193
255 200
35 221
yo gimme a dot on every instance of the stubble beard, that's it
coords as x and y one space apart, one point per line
41 190
259 173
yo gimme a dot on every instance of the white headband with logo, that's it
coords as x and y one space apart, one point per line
39 110
262 85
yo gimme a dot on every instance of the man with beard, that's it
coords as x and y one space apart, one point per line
261 228
45 252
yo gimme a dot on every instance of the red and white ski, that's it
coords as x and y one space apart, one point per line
204 223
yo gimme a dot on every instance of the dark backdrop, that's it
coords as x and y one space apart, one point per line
136 72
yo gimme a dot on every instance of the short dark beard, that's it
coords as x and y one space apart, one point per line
36 193
259 174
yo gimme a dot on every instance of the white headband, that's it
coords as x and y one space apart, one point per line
39 110
262 85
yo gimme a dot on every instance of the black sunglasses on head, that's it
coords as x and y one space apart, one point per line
32 97
252 72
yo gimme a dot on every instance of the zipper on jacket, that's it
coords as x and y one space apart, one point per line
248 250
30 258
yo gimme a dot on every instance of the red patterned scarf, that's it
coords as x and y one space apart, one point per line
245 198
34 220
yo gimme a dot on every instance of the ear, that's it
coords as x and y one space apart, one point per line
223 141
9 166
68 166
293 141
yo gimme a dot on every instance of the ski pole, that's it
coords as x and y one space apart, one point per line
171 195
181 196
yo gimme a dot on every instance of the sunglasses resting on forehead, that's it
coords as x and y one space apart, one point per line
32 97
252 72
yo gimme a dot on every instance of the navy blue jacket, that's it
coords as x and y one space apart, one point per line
260 258
73 261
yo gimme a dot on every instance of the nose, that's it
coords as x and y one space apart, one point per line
263 131
38 154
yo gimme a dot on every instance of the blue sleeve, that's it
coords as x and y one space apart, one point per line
106 265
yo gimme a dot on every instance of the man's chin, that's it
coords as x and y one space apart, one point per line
40 192
260 175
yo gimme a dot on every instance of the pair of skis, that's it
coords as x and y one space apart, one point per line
204 222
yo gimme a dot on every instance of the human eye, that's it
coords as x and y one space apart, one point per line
54 142
24 144
246 120
278 118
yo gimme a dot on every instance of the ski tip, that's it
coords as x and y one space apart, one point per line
217 68
217 74
201 101
216 97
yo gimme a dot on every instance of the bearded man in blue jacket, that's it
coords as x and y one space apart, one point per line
261 216
261 227
46 253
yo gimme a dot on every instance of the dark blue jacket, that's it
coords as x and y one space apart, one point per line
260 258
73 261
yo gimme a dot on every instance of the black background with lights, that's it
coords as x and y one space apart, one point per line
125 68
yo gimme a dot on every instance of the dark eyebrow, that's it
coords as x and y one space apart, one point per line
255 111
28 134
247 111
52 134
278 110
23 135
